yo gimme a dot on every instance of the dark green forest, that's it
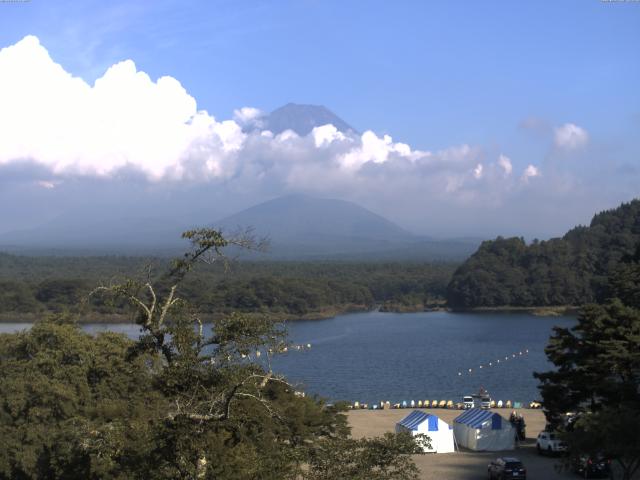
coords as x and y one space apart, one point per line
505 272
177 403
35 285
571 270
596 375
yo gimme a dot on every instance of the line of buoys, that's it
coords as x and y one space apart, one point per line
287 348
491 364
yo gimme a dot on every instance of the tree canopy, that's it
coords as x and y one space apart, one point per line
571 270
598 374
185 400
287 290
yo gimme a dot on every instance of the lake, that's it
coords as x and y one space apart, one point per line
377 356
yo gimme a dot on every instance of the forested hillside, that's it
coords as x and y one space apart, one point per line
285 289
571 270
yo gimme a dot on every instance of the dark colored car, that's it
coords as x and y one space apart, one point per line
507 467
588 467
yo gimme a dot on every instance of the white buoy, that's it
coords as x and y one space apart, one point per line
308 345
459 373
470 370
258 353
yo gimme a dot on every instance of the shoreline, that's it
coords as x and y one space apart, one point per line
540 311
323 314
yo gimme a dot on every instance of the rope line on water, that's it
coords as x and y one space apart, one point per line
495 363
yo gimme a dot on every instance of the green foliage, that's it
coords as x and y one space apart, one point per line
598 374
283 289
598 360
611 432
571 270
71 406
17 297
382 458
184 401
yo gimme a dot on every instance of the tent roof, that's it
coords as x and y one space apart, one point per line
475 417
415 418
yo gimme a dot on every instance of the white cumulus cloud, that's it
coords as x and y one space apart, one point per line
124 119
326 134
505 164
248 116
530 172
570 136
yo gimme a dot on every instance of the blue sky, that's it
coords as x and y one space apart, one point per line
432 73
500 76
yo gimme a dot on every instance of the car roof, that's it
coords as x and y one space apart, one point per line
510 459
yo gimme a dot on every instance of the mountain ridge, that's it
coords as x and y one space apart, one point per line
300 118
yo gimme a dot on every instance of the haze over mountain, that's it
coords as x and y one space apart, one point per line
320 225
79 235
301 226
298 226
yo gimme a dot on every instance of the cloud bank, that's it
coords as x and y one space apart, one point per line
128 120
128 126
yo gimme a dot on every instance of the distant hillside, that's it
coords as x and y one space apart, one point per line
304 224
306 228
562 271
299 227
302 119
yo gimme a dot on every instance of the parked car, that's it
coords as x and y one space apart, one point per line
507 467
467 401
550 443
592 467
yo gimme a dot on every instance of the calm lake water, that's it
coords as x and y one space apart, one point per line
377 356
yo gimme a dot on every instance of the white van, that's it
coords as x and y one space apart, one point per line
483 402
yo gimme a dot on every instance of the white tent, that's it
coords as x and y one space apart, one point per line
483 430
437 430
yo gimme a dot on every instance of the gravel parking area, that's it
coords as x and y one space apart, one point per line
464 464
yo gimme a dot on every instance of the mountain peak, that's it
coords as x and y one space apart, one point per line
302 119
318 225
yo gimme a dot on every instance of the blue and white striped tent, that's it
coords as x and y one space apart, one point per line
438 431
483 430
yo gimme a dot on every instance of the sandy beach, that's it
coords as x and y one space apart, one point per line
464 464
